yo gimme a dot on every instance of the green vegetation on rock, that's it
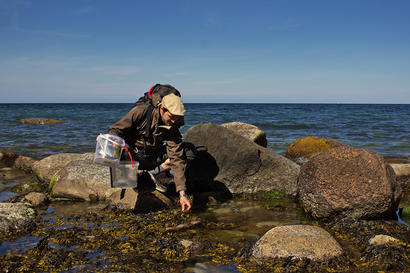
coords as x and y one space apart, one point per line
53 180
27 187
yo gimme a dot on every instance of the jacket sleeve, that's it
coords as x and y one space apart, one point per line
175 153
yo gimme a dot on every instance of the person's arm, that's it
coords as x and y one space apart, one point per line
175 153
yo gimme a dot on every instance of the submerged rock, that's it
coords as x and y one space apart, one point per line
240 164
249 131
304 146
297 241
348 182
15 217
40 121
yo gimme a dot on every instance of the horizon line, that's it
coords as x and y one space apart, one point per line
374 103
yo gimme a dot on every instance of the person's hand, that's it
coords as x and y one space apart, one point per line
166 165
184 201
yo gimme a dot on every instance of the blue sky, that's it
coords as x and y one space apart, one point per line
212 51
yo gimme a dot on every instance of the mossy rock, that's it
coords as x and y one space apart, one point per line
28 187
310 145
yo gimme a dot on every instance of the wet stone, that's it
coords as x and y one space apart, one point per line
36 198
15 217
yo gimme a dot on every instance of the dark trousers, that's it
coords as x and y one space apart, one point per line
152 158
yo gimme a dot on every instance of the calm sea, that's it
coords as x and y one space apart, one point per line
382 128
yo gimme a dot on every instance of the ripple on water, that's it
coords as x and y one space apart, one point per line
19 246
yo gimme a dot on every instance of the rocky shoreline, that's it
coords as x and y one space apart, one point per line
340 225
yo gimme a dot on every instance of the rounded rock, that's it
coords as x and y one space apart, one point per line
347 182
237 162
311 145
36 198
297 241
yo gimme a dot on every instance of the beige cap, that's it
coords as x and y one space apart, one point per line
173 104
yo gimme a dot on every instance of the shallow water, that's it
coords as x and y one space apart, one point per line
5 195
20 245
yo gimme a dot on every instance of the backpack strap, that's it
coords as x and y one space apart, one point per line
148 116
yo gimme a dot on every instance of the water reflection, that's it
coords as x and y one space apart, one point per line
19 246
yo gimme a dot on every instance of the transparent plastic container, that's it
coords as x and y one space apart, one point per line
108 149
124 176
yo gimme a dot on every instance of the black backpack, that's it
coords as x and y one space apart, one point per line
152 99
156 93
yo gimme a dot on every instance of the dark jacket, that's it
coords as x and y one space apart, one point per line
131 128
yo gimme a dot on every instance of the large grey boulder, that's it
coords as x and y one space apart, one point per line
242 165
347 182
46 168
249 131
82 179
15 217
297 241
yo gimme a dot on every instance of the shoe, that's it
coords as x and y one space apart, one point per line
158 185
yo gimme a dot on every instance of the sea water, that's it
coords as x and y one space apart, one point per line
384 128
